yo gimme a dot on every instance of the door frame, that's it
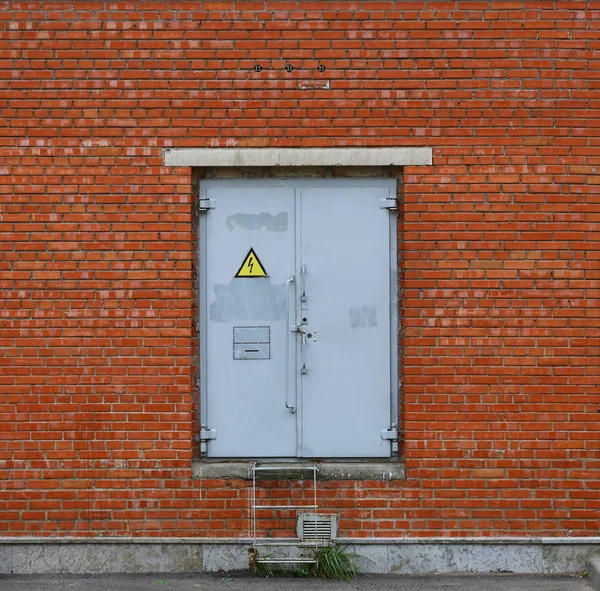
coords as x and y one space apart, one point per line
202 266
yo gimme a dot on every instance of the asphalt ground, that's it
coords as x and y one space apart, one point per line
239 582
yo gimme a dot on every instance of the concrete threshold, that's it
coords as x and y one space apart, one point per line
328 470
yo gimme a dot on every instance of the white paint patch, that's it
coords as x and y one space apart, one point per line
363 316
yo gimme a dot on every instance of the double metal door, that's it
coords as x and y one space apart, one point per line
297 318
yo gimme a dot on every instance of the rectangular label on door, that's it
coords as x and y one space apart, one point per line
251 342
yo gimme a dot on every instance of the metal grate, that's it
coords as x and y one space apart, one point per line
317 527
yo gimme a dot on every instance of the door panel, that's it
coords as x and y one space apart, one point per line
346 385
246 401
328 240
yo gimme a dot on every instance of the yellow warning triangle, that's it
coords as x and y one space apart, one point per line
251 267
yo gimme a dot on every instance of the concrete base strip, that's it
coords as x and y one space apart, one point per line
594 571
402 556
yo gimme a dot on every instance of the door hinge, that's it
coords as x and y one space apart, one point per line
205 204
388 203
205 436
392 436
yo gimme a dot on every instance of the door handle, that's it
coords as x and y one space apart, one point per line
291 407
301 330
302 281
302 327
303 353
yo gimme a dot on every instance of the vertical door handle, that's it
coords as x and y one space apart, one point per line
291 407
302 335
302 286
303 353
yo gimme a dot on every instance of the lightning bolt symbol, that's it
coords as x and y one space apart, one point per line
250 264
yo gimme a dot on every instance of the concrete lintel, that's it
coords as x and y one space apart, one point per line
297 157
385 471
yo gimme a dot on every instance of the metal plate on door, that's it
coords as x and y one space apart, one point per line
251 342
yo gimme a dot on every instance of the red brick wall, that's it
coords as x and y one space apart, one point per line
499 249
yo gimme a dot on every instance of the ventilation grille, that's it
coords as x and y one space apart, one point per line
315 527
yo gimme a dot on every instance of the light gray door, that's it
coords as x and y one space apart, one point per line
246 342
297 341
345 257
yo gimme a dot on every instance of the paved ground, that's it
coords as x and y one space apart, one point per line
239 582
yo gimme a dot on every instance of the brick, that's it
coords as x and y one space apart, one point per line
497 246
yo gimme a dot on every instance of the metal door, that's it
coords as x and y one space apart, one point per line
298 352
245 338
345 380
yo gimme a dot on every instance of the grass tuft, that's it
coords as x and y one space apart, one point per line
331 562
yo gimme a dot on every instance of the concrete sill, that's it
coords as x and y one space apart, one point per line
328 470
